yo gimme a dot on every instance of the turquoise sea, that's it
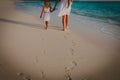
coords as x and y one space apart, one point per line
106 11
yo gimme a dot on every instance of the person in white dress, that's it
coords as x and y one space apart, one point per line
45 14
64 12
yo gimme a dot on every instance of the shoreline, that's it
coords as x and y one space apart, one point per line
78 18
105 20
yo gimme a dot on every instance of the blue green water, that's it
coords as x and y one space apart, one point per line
109 11
106 10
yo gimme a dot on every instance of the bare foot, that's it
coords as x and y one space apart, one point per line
67 27
64 29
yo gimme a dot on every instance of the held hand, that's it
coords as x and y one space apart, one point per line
54 9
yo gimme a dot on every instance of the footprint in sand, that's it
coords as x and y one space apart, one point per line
72 51
68 76
73 43
72 65
69 69
43 76
65 36
23 76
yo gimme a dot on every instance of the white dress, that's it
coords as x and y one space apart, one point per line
63 10
46 14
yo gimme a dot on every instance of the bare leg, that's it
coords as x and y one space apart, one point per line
67 21
63 22
46 23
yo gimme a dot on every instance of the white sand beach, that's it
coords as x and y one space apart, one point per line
29 52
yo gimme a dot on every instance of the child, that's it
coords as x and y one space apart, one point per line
45 14
64 11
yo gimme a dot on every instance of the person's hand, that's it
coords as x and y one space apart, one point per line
40 16
54 9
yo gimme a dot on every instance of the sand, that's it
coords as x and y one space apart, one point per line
29 52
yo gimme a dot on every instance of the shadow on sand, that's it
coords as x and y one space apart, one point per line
21 23
37 26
